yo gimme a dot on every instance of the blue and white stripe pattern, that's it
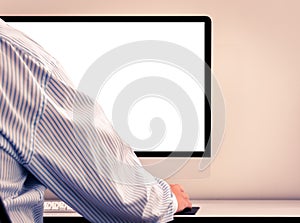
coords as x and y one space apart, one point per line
43 146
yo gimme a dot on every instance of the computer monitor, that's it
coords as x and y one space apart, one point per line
150 74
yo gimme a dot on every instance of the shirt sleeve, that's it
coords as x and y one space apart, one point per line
71 147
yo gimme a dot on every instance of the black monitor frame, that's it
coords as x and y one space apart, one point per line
133 18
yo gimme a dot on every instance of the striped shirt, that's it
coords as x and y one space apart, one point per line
47 140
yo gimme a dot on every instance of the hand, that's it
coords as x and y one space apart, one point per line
182 197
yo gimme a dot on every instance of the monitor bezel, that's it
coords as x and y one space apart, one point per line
151 18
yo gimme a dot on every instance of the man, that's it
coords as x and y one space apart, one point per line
48 140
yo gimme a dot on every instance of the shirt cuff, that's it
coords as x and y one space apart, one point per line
175 203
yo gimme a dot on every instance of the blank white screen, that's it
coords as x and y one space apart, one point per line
77 45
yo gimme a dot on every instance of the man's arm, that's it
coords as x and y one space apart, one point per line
85 163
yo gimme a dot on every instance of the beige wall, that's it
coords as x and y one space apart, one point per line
256 61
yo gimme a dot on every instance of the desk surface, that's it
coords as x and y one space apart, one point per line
242 208
233 208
